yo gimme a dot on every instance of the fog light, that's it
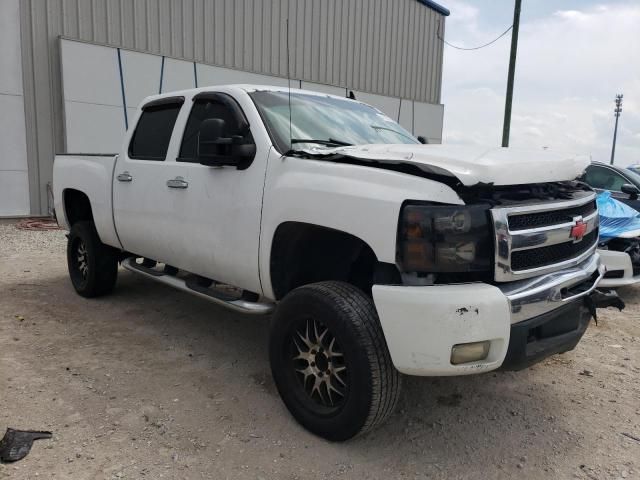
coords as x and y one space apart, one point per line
469 352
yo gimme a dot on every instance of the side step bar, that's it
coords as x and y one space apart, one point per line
239 305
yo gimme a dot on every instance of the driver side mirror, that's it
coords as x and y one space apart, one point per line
630 190
216 150
422 140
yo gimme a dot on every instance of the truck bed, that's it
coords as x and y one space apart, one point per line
91 174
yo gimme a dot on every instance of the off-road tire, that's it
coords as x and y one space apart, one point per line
372 382
96 274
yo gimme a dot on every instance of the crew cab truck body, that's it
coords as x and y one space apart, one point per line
377 255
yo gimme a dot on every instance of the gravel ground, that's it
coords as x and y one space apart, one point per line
153 383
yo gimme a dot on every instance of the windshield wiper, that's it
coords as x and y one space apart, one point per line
329 143
378 127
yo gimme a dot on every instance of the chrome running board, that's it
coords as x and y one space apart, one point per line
239 305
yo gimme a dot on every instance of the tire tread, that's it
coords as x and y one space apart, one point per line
106 261
386 380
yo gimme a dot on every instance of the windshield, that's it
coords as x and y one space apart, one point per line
325 122
633 176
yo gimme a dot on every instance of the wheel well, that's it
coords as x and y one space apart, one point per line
77 206
303 253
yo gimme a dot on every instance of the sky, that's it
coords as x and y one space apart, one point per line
574 56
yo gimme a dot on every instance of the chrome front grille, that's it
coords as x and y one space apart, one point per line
539 238
525 221
551 254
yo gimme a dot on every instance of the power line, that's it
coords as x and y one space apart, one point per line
475 48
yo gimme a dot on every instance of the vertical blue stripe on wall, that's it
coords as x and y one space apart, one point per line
124 98
195 74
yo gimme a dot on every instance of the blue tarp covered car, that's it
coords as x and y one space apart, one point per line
619 246
616 218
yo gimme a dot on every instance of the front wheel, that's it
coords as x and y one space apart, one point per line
93 266
330 361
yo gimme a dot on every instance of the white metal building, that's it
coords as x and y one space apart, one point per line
73 71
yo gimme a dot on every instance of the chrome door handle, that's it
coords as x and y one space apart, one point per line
177 182
124 177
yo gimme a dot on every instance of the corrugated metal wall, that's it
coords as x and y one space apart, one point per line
387 47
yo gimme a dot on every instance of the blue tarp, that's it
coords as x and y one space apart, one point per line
616 218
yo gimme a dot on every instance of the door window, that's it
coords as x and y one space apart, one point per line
604 178
151 138
204 109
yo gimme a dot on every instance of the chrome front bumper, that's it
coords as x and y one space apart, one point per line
535 296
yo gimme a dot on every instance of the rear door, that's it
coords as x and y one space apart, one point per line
141 205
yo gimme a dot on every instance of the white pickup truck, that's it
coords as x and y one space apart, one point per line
376 254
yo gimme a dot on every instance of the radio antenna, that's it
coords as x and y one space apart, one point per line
289 83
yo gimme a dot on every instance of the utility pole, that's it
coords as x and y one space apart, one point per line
616 113
512 70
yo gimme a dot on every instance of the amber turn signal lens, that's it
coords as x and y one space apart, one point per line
417 254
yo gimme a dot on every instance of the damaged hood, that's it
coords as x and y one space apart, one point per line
471 164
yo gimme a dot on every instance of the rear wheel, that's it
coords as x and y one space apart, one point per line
93 266
330 361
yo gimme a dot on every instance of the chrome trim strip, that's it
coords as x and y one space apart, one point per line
536 296
507 241
547 206
551 235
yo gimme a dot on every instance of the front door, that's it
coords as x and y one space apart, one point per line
215 211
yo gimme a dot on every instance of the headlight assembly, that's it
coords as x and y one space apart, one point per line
443 239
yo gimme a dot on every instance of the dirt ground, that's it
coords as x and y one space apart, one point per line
153 383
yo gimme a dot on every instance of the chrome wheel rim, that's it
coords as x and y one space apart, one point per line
319 364
82 260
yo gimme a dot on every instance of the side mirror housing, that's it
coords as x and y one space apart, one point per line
422 140
630 190
217 150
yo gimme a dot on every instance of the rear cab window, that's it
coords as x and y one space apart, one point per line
151 138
